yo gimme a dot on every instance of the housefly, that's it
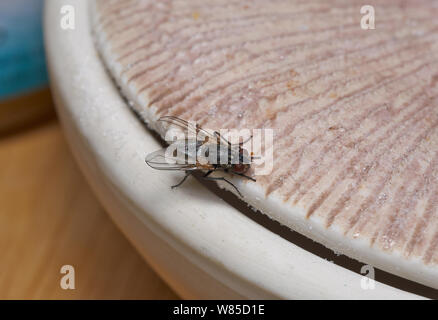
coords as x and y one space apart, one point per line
196 149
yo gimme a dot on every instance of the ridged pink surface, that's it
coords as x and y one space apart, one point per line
355 112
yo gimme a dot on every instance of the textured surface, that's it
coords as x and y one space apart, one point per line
49 218
354 111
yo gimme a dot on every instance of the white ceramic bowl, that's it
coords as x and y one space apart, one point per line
202 246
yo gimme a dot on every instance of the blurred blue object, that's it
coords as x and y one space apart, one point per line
22 61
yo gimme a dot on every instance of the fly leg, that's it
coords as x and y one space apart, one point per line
245 176
182 181
242 143
223 179
229 143
219 136
208 173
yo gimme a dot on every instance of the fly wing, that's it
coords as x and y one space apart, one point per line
179 155
189 130
160 160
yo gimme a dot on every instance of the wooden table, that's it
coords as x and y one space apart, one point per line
49 217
